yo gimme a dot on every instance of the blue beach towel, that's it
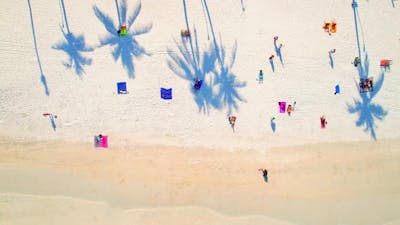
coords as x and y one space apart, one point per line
337 89
121 87
166 93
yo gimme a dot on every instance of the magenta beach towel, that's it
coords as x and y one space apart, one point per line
282 107
104 142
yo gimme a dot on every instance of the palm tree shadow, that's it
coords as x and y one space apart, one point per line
125 47
365 108
225 79
331 61
73 45
43 79
227 82
191 64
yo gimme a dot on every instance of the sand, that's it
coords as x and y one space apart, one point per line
179 161
87 104
67 183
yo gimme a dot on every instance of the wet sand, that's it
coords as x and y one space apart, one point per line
72 183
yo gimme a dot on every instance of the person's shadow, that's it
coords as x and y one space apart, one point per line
271 62
273 126
278 52
331 60
265 178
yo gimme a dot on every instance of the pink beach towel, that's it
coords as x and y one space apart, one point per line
104 142
282 107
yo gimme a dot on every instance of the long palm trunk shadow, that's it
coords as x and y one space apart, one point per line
366 110
123 47
43 79
119 15
73 46
190 37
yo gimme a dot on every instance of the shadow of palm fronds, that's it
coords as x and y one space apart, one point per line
124 48
191 65
226 80
73 46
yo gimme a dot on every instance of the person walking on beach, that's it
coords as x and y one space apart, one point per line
98 138
271 62
323 121
289 109
275 44
264 173
356 61
271 58
260 77
232 121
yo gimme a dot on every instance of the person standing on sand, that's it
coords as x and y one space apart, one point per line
232 120
289 109
260 77
98 138
323 121
265 174
356 61
271 58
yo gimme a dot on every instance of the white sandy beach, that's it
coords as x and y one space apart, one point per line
178 161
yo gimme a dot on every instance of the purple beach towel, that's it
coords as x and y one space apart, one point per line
282 107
